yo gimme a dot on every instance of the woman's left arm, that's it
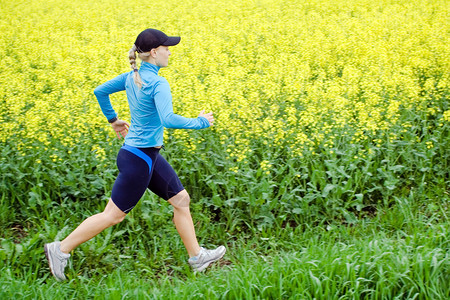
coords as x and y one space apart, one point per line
163 101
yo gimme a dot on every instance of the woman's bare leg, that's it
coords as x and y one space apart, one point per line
93 226
183 222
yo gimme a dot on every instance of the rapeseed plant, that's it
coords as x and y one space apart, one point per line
288 74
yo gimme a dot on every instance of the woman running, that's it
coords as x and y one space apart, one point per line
140 164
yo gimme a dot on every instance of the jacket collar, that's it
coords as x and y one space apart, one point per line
149 67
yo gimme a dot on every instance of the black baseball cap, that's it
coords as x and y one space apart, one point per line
153 38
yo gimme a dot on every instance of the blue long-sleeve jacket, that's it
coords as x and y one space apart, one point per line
150 107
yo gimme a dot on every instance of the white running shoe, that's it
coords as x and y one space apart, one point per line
57 260
206 257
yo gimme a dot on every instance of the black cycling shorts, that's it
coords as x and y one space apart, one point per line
139 169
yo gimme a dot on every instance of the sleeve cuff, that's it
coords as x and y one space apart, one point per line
112 120
203 122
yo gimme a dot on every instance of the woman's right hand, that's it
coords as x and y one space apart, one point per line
120 127
209 116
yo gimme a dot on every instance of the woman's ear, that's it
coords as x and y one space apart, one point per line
153 52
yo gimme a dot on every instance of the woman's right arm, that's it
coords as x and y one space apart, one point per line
103 91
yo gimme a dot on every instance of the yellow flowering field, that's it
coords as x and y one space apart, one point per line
326 174
295 74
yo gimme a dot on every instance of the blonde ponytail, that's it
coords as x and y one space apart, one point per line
132 58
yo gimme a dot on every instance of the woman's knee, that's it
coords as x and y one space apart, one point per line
116 219
113 214
113 219
180 200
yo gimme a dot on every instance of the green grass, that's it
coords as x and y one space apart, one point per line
380 258
346 224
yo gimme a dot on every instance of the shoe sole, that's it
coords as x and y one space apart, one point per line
210 262
47 255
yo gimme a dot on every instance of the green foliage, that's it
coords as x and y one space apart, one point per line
326 174
366 220
305 262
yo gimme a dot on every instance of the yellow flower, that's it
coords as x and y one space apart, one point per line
293 86
447 115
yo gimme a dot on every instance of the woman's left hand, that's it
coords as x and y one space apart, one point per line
209 116
120 127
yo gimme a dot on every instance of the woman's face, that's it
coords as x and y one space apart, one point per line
162 54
